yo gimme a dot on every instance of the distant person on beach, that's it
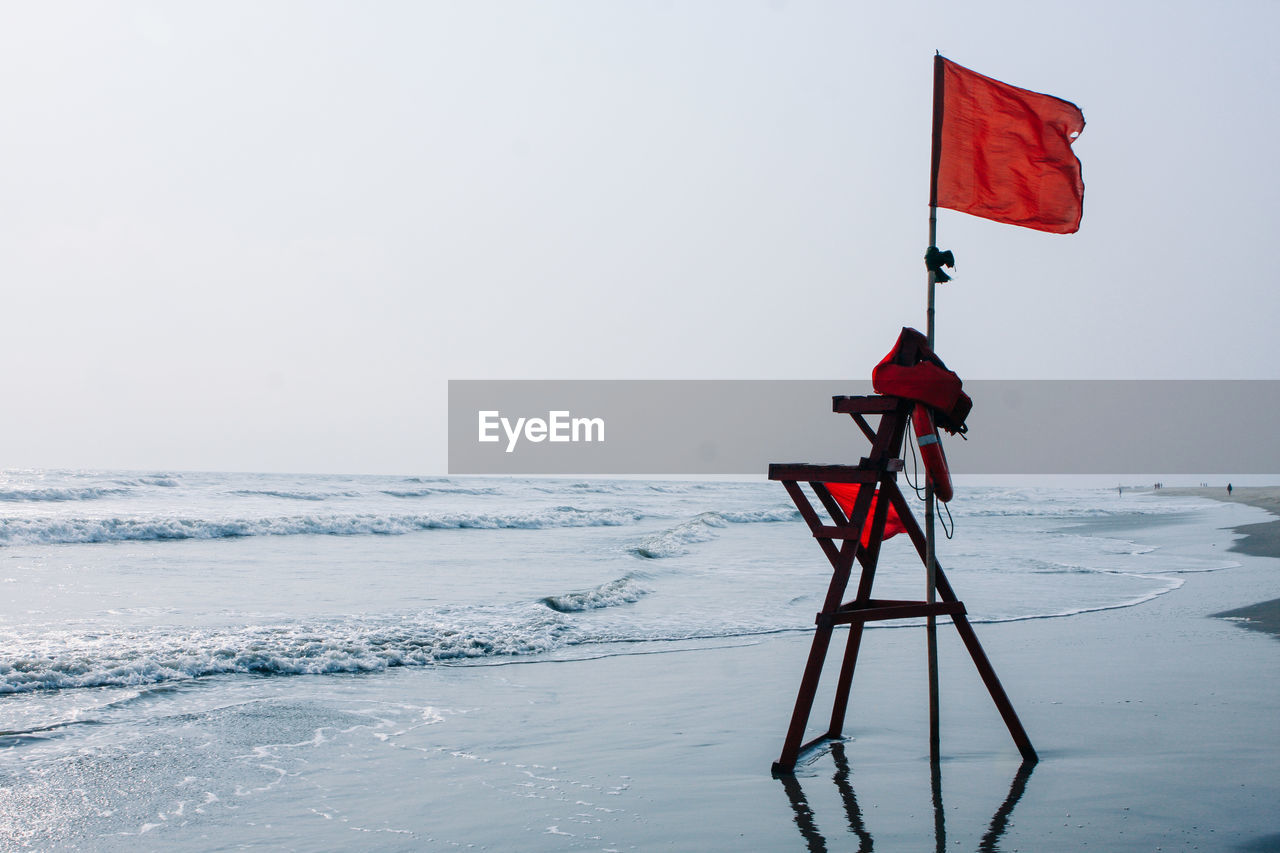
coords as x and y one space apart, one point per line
1228 490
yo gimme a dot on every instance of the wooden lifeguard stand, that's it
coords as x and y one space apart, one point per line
876 476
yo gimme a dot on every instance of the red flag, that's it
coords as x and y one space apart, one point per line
846 493
1004 153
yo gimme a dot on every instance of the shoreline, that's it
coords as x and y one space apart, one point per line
1260 540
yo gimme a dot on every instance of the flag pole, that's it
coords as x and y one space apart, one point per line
931 627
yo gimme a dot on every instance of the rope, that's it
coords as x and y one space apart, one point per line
952 531
918 485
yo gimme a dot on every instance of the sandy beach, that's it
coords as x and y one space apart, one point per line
1261 539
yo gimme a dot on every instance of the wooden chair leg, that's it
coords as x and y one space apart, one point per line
845 682
804 700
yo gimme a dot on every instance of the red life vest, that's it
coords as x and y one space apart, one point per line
912 370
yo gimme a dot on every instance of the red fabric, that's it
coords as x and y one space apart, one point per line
846 493
924 382
1006 153
912 370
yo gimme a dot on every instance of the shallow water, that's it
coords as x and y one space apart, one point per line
217 659
115 579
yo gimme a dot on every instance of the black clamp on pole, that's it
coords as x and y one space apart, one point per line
935 259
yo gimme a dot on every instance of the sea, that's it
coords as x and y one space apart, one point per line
135 602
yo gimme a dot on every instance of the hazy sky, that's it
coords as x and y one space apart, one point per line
263 235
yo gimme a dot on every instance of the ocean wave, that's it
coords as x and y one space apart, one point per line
62 660
292 495
674 541
1073 507
1083 513
84 493
761 516
1171 584
623 590
86 657
578 488
304 649
167 481
63 531
614 488
438 490
675 488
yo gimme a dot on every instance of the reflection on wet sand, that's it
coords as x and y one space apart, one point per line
816 842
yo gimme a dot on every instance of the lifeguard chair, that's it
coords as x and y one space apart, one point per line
861 502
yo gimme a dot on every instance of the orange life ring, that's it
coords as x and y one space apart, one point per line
935 461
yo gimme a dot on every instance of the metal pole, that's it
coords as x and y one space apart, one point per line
931 629
931 590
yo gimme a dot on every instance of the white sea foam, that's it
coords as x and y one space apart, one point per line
292 495
623 590
438 490
1170 584
586 488
58 530
58 660
674 541
168 481
61 661
84 493
366 645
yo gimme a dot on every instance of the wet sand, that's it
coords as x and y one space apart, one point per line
1154 724
1260 540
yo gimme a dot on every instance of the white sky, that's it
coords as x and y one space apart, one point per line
262 236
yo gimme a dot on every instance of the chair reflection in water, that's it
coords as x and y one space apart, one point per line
807 821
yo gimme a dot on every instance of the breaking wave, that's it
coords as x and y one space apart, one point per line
60 660
85 493
605 487
602 488
439 490
315 648
674 541
61 531
623 590
290 495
